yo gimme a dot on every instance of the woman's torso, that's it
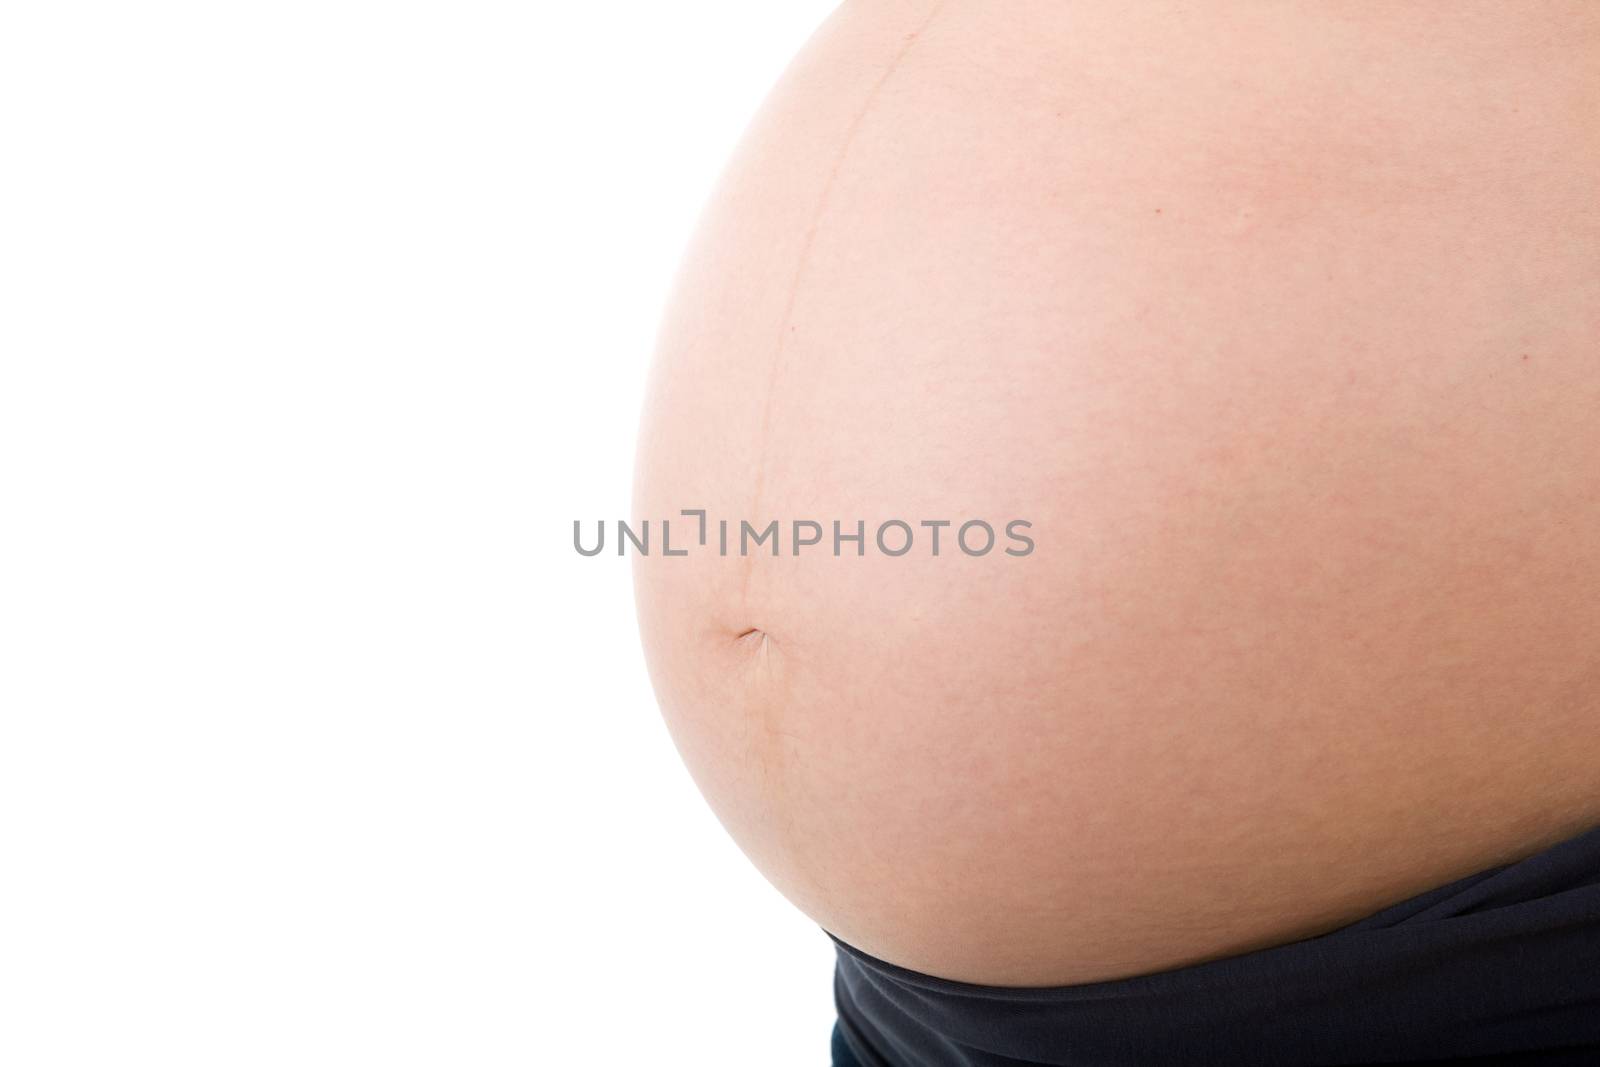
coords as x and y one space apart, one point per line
1280 324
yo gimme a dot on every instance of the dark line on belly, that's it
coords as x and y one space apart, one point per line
780 350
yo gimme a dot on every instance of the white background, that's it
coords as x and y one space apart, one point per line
319 324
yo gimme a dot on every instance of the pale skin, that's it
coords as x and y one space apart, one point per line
1281 323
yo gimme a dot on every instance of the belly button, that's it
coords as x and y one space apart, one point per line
754 638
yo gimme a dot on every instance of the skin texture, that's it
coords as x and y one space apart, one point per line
1281 324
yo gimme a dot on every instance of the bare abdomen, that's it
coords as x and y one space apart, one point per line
1287 345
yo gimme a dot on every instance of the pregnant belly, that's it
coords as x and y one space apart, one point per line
1280 330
